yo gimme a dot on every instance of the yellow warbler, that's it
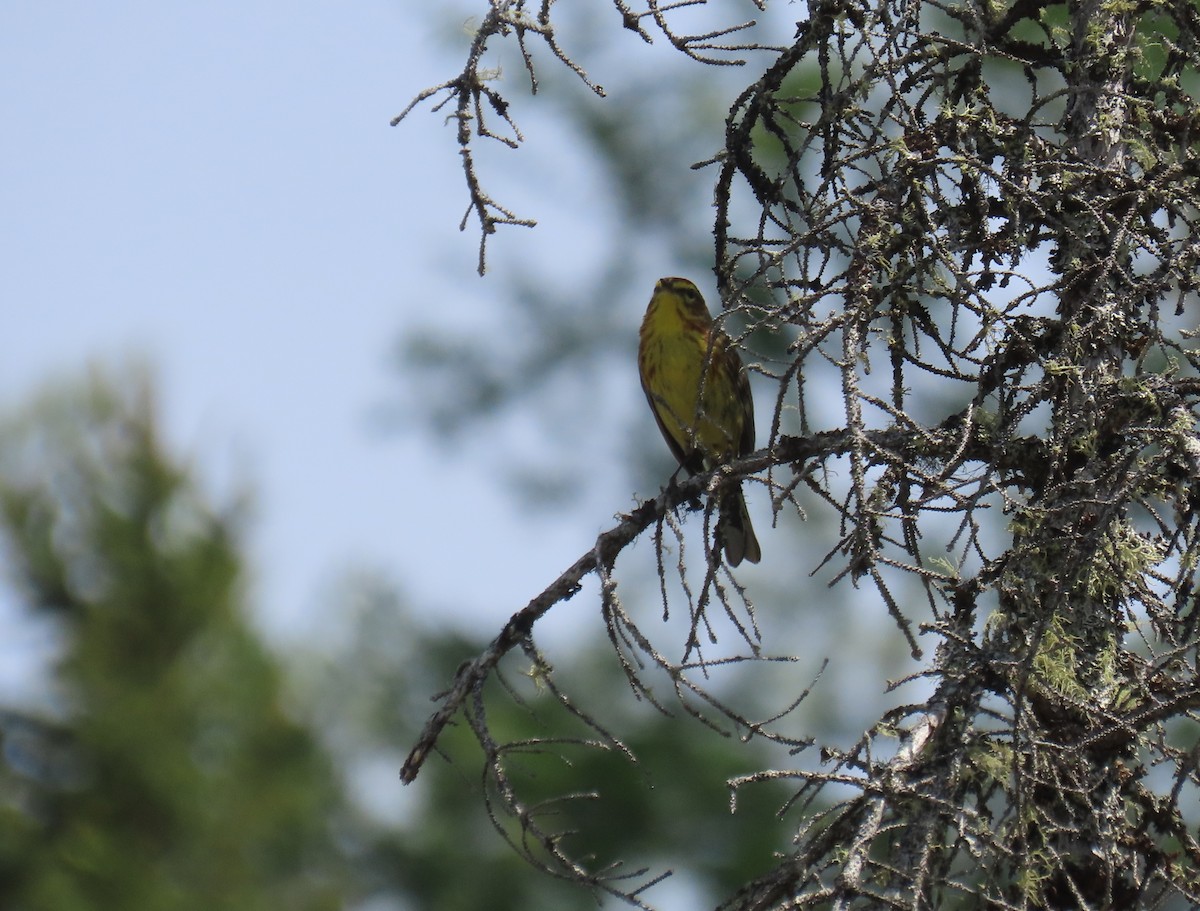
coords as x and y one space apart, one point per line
700 395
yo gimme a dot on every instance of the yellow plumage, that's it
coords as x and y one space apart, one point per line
700 395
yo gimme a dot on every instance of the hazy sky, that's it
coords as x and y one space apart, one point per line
215 190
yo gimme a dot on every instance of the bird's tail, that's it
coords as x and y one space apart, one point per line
734 530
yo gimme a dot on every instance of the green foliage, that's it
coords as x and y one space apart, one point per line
162 771
164 774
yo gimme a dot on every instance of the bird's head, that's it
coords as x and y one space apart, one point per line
685 294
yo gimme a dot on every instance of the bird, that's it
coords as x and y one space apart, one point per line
699 392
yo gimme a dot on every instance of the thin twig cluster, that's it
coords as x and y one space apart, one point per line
477 98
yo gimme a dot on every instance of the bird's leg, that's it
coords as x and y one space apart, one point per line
693 503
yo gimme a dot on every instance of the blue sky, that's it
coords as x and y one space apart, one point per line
215 191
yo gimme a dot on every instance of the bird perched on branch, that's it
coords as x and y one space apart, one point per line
700 395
